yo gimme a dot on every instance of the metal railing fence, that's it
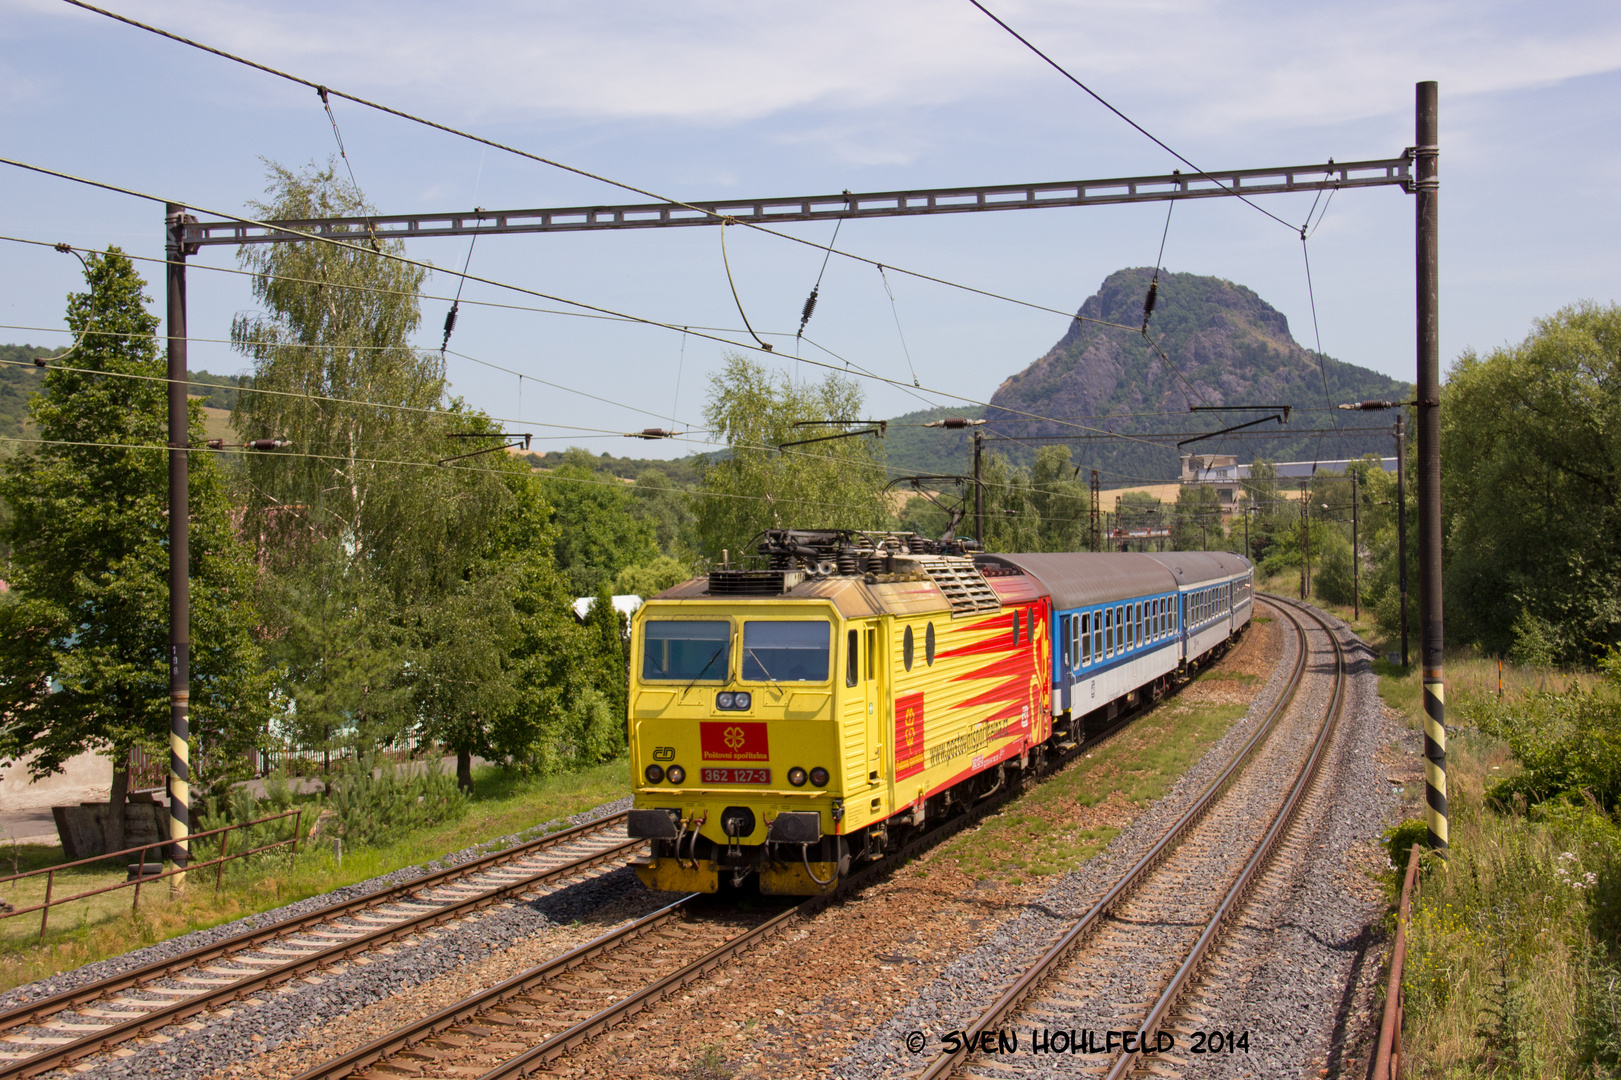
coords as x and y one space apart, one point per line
141 877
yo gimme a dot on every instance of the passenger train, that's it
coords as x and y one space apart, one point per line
791 719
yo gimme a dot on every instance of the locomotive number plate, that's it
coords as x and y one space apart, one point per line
737 776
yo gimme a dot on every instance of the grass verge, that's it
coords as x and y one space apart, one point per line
503 804
1507 973
1070 817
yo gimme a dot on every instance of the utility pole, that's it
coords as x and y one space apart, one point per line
979 490
1356 570
1305 571
1426 184
1401 524
175 220
1097 495
1247 558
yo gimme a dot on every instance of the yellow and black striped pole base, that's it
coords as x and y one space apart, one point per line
179 797
1435 759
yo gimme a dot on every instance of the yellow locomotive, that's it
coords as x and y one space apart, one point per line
790 719
786 720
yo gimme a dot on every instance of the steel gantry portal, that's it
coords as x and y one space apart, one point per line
1414 171
1330 175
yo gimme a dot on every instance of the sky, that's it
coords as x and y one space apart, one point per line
713 100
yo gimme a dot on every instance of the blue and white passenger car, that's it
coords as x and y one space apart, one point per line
1126 623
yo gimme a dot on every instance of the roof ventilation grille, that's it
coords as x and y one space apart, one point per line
965 587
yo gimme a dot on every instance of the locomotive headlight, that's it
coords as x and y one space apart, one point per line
742 700
676 774
724 699
796 776
654 773
818 776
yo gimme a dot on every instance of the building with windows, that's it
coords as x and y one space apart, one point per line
1227 476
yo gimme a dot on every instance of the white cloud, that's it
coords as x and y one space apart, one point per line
1186 65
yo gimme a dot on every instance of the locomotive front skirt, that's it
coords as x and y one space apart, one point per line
786 722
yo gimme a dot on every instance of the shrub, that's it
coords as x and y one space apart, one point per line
1569 743
375 805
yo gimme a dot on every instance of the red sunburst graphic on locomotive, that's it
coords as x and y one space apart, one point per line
1020 699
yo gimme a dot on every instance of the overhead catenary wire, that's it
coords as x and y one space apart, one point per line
735 298
893 310
406 260
1056 66
493 144
326 103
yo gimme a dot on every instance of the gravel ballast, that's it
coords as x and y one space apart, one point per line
1295 1003
348 985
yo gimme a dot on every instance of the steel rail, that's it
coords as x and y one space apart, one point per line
947 1063
411 1034
564 1041
35 1011
404 1038
157 1018
1253 868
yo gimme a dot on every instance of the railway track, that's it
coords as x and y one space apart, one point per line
1123 966
512 1029
62 1029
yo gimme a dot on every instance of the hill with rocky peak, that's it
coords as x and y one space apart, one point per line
1224 346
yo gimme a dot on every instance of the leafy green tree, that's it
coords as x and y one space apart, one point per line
1011 520
1531 485
84 646
653 578
1196 519
414 603
922 516
1063 506
753 486
659 501
598 532
348 389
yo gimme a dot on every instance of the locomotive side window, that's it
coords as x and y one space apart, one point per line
786 651
1086 639
1015 627
928 645
906 649
872 654
852 659
685 650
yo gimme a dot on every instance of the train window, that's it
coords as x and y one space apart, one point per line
1086 639
928 645
1131 637
785 651
1120 629
1108 632
906 649
1074 641
1063 640
686 650
1015 627
872 654
1139 622
852 659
